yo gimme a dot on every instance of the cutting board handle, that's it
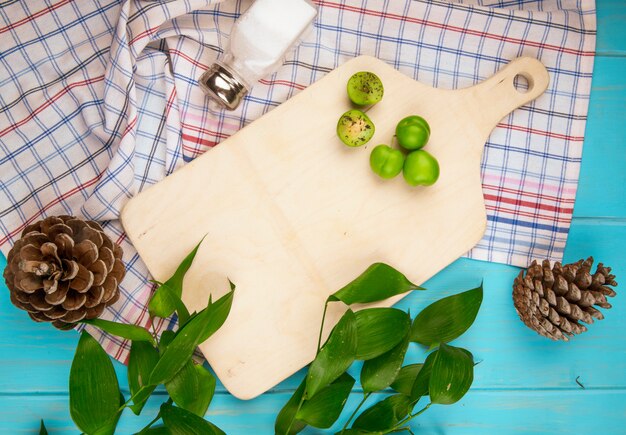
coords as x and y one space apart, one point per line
498 96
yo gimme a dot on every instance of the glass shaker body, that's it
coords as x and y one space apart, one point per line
258 43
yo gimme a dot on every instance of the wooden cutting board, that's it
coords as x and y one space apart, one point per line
291 214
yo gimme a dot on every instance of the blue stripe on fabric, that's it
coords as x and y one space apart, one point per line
527 224
61 30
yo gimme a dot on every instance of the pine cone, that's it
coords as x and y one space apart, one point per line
554 301
63 270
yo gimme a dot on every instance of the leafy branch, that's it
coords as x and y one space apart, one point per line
96 402
380 337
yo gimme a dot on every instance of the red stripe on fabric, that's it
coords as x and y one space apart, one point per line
66 195
170 102
49 102
54 202
529 204
143 34
130 126
121 348
121 238
534 216
193 152
198 141
455 28
204 131
531 194
188 59
542 132
283 82
33 16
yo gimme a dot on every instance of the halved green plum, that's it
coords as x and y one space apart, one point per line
354 128
365 88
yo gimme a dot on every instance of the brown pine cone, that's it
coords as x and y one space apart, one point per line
63 270
554 301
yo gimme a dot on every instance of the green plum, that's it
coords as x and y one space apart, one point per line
420 169
386 161
365 88
354 128
412 132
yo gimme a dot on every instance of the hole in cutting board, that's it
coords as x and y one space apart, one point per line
522 83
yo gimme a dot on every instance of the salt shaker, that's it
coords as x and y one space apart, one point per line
258 43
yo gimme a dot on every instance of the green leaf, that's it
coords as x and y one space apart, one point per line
334 357
182 422
94 390
218 312
378 373
452 375
200 328
109 427
406 378
183 325
326 406
166 338
141 361
42 429
192 388
378 282
385 414
163 302
286 416
124 330
379 330
422 380
357 432
447 319
156 430
167 294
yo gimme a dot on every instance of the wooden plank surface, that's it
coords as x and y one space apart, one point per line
524 384
603 174
497 338
519 412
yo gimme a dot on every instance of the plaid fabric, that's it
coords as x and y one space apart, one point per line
98 99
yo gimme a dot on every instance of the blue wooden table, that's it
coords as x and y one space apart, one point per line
524 384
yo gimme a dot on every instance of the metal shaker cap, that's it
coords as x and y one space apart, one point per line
223 86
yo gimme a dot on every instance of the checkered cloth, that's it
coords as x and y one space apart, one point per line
99 99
